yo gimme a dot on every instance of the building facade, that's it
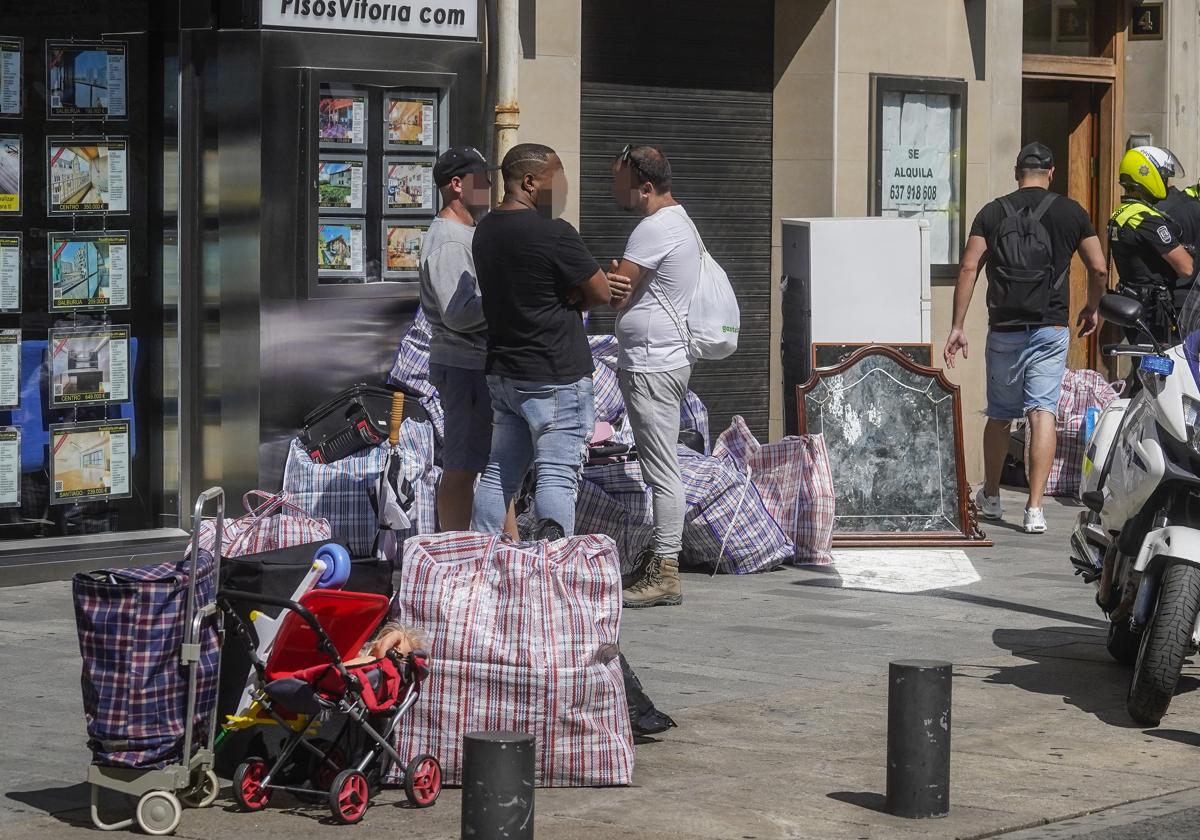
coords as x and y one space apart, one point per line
783 109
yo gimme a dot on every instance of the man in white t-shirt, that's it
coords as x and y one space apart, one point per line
652 289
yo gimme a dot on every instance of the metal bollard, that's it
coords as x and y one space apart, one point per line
918 739
497 786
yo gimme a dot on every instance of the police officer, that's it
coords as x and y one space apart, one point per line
1146 244
1183 208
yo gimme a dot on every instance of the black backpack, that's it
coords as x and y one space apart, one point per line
1021 266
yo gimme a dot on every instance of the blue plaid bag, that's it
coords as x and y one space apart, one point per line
726 526
130 624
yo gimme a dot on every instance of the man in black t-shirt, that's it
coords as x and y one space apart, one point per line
1026 361
535 277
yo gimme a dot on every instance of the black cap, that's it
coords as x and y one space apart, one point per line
459 161
1035 156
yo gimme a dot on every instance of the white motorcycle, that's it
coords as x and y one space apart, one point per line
1139 539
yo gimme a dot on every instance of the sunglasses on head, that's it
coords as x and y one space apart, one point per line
626 157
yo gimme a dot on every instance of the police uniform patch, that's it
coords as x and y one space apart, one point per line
1165 234
1143 170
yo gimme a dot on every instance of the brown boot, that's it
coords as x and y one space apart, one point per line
657 587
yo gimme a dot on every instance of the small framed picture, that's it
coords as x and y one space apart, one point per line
1073 24
402 249
11 50
89 461
10 175
410 120
11 264
408 186
89 365
88 269
87 176
340 250
340 183
85 80
342 117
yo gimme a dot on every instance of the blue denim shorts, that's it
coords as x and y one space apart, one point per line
1025 370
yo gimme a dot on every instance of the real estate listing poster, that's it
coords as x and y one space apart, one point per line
89 270
87 176
10 175
89 365
89 461
410 120
10 272
402 249
342 118
340 184
10 466
408 185
340 247
10 368
10 76
86 79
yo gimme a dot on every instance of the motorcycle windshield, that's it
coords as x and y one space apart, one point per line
1189 329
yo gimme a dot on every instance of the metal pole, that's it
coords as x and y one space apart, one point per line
497 786
508 59
918 739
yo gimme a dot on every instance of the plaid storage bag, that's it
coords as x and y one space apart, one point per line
271 523
726 526
1081 390
795 482
523 637
410 370
130 624
337 492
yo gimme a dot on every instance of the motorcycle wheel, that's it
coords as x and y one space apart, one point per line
1166 642
1123 643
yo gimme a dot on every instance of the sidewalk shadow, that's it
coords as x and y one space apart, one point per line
861 798
67 803
1070 663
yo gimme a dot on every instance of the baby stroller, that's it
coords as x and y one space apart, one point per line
306 683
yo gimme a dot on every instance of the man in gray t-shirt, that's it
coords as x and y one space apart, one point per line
458 344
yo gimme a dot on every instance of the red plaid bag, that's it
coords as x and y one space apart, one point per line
1081 390
271 522
794 480
523 636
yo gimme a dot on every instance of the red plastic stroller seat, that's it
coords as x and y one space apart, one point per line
350 619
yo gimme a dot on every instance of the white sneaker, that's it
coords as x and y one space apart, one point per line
989 506
1035 521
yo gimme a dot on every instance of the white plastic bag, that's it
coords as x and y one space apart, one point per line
714 319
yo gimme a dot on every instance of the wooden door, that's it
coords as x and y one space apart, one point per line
1065 115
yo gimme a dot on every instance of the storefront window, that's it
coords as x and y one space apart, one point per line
87 98
919 163
1061 27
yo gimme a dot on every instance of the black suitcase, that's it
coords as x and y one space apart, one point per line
354 420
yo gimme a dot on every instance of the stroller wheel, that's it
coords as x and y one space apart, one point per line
158 812
203 792
349 796
248 787
423 780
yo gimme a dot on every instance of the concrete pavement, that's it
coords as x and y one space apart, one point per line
778 683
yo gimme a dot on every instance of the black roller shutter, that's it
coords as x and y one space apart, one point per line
694 79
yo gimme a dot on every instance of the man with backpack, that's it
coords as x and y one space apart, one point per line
652 288
1026 238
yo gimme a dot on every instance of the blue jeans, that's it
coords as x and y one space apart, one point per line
1025 370
546 426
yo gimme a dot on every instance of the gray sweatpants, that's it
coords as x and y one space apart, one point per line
652 401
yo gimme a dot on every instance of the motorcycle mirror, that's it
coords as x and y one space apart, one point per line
1121 310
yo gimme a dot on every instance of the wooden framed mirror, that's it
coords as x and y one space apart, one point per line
893 429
